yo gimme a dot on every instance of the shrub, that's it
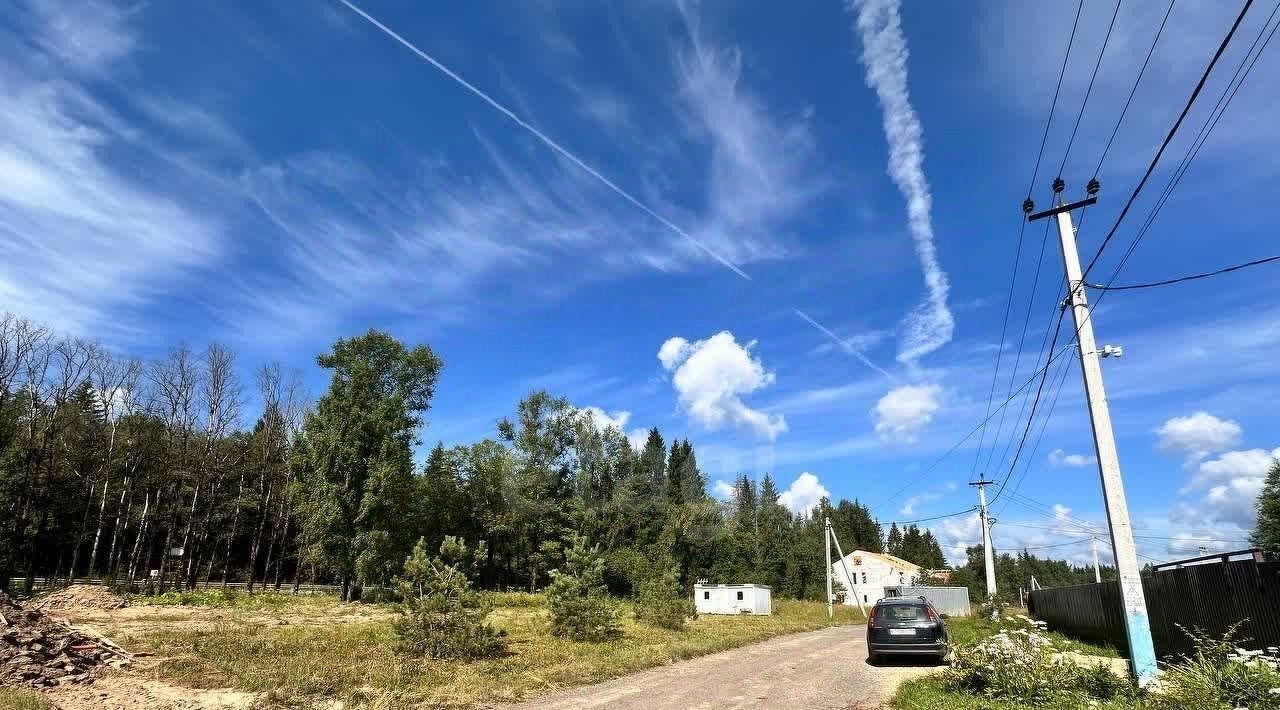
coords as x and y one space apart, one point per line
1219 674
1019 663
663 603
581 608
441 615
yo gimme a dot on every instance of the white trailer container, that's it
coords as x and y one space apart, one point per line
733 599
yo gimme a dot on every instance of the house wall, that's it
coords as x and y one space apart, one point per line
870 577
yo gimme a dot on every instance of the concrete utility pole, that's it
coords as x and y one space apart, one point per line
1097 572
845 566
1142 656
826 534
981 485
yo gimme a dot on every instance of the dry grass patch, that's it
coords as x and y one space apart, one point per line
14 699
358 662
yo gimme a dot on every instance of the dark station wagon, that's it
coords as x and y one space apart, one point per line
905 625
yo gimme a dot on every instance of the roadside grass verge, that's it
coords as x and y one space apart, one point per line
358 664
15 699
932 693
970 630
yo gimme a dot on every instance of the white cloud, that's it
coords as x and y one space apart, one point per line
1198 435
884 52
722 489
1058 457
711 376
1185 544
603 420
81 235
1061 512
803 494
1229 485
901 414
638 437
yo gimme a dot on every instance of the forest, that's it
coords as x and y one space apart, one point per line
154 474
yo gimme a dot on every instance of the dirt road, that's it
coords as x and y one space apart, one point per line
819 669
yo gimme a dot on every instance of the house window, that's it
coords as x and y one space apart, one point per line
902 578
864 599
706 595
739 596
864 577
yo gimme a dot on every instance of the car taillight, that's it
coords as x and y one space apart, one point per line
871 618
932 616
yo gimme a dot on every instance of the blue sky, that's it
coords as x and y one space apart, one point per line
748 258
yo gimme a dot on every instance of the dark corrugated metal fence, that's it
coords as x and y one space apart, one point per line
1211 597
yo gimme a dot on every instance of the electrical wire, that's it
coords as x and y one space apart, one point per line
1034 404
1202 136
1044 425
1155 160
914 479
1180 279
1080 115
935 517
1134 90
1056 91
1022 340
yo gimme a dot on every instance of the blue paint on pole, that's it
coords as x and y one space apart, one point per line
1142 652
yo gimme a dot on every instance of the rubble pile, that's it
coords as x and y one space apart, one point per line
81 597
38 651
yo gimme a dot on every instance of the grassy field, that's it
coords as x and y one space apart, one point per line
297 664
13 699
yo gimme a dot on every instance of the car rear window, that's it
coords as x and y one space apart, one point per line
905 612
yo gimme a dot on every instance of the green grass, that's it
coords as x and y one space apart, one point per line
970 630
358 663
931 693
230 598
14 699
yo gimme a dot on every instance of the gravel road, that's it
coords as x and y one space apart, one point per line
818 669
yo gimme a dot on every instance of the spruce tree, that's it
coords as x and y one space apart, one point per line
893 545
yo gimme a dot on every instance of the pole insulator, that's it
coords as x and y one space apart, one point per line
1093 186
1059 185
1028 206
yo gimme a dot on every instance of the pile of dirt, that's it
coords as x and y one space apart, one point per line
38 651
82 596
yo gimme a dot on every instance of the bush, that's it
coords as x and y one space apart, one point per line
581 608
1019 663
1219 674
663 603
441 615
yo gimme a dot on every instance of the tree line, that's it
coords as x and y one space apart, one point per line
144 472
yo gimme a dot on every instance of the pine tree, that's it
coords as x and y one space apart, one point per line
771 526
653 462
675 489
1266 533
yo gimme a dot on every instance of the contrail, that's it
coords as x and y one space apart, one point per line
547 140
597 175
884 52
844 344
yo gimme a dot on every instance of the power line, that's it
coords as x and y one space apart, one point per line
912 481
1155 160
1034 404
1044 425
935 517
1102 53
1202 136
1180 279
1052 106
1133 90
